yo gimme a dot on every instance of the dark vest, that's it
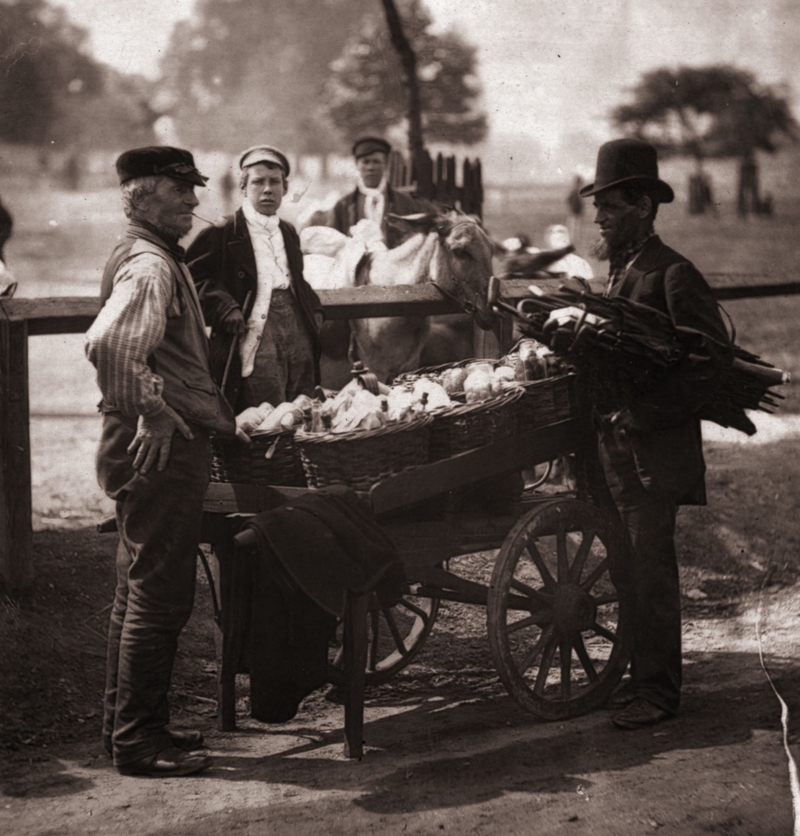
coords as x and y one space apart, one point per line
181 358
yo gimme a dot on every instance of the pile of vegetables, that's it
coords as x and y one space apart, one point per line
354 407
481 380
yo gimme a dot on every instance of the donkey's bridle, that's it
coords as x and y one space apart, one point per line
466 306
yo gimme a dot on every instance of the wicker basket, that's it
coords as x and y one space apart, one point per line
361 458
546 401
467 426
271 459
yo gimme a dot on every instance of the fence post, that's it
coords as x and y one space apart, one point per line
16 532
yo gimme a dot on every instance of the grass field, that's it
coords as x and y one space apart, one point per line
61 240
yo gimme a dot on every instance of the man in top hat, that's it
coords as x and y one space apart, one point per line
650 442
159 405
373 198
248 269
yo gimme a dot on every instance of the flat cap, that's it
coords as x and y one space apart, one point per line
369 145
155 160
264 154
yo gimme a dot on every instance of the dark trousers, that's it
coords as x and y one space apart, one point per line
284 363
158 517
651 579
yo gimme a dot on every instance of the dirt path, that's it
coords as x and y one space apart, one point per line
448 751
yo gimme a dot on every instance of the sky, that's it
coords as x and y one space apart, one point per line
550 71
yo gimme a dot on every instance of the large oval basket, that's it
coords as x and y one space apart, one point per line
467 426
271 459
361 458
546 401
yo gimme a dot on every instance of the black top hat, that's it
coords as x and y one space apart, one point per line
631 161
369 145
155 160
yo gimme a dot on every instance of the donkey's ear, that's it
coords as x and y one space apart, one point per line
419 222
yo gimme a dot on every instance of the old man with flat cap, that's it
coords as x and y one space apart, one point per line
159 406
650 441
373 198
248 269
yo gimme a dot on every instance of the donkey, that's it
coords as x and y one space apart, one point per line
450 250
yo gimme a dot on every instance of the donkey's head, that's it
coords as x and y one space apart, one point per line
463 264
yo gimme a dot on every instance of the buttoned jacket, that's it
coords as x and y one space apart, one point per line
348 211
668 450
223 265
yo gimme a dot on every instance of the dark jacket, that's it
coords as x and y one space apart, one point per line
182 358
349 210
668 446
223 266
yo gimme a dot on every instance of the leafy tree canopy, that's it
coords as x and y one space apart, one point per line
247 71
716 111
43 70
367 91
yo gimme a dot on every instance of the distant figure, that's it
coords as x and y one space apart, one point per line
520 243
575 206
226 186
72 171
6 225
747 199
556 237
374 199
701 197
7 283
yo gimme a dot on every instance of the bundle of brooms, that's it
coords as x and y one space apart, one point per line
635 340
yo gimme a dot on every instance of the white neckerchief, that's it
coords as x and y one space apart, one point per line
272 267
374 200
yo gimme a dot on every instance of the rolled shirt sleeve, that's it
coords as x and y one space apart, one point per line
127 330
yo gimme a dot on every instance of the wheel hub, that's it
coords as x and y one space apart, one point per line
573 609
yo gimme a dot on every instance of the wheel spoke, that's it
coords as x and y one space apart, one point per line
539 618
544 668
530 658
392 624
561 551
605 633
548 580
581 555
531 592
375 628
583 656
565 652
595 576
418 611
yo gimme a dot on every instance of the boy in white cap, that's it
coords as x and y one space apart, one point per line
248 269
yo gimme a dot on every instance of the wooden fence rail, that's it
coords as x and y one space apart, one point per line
23 318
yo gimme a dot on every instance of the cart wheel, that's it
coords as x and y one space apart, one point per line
395 636
557 628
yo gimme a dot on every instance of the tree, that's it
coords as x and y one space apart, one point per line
368 92
705 112
43 70
408 61
246 71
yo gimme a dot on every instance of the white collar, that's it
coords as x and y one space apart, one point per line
267 222
378 191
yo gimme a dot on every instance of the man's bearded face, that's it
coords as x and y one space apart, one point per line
619 222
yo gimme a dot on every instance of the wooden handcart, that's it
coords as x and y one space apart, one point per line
556 624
